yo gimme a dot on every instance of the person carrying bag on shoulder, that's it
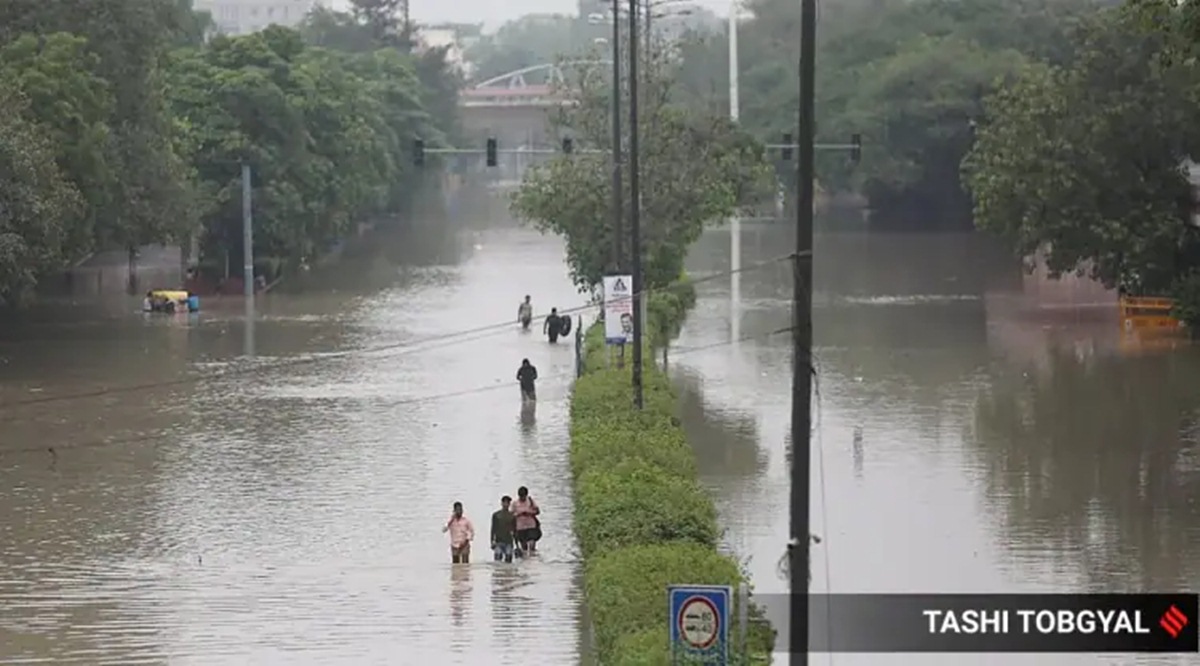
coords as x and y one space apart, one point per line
529 527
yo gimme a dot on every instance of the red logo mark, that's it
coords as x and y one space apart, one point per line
1173 621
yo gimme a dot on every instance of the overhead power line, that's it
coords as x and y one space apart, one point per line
423 344
436 397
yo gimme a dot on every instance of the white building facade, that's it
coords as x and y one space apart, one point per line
240 17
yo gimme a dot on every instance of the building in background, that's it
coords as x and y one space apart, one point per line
240 17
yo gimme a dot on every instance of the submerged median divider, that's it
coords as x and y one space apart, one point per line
642 519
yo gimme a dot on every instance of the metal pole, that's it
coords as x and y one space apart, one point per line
649 15
802 343
635 222
735 223
248 259
247 236
617 195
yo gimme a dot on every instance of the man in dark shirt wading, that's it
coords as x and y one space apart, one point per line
504 530
527 375
553 325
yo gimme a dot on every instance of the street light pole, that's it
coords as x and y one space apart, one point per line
617 195
802 339
635 204
649 16
735 222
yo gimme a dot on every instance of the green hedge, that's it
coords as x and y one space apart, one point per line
642 519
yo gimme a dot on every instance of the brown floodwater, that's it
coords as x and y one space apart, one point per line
291 513
962 444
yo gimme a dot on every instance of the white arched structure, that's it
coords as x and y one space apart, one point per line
553 75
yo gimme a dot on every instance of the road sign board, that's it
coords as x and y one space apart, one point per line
699 621
618 309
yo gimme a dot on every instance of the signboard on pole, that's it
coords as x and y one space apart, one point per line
618 309
699 621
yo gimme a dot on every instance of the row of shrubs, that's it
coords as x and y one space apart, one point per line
642 519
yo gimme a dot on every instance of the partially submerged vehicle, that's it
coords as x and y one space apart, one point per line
171 301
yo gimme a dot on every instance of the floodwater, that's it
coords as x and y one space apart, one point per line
292 514
960 446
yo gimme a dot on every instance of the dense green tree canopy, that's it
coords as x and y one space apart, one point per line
327 134
87 76
115 140
907 76
1085 161
36 203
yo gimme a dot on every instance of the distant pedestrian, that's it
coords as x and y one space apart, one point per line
461 533
525 313
529 527
504 531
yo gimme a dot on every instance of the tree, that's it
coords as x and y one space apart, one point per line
528 41
151 198
189 26
915 111
36 203
439 79
386 21
1083 162
72 105
877 74
326 133
696 168
336 30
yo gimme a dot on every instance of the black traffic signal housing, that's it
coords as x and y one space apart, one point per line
855 148
491 153
418 152
568 145
787 151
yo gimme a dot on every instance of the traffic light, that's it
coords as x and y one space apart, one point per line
568 145
856 148
788 151
418 152
491 153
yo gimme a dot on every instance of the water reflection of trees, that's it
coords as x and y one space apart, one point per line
370 263
725 442
1088 457
917 352
860 264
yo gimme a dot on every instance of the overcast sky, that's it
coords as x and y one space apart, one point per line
495 12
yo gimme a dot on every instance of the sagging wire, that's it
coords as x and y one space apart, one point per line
161 436
424 344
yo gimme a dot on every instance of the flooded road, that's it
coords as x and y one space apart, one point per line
292 514
996 453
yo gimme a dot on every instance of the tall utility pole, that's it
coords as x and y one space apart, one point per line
649 16
247 236
735 222
617 195
248 260
802 339
635 221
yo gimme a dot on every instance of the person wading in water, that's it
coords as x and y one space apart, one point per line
556 325
504 531
529 528
461 533
525 313
527 375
